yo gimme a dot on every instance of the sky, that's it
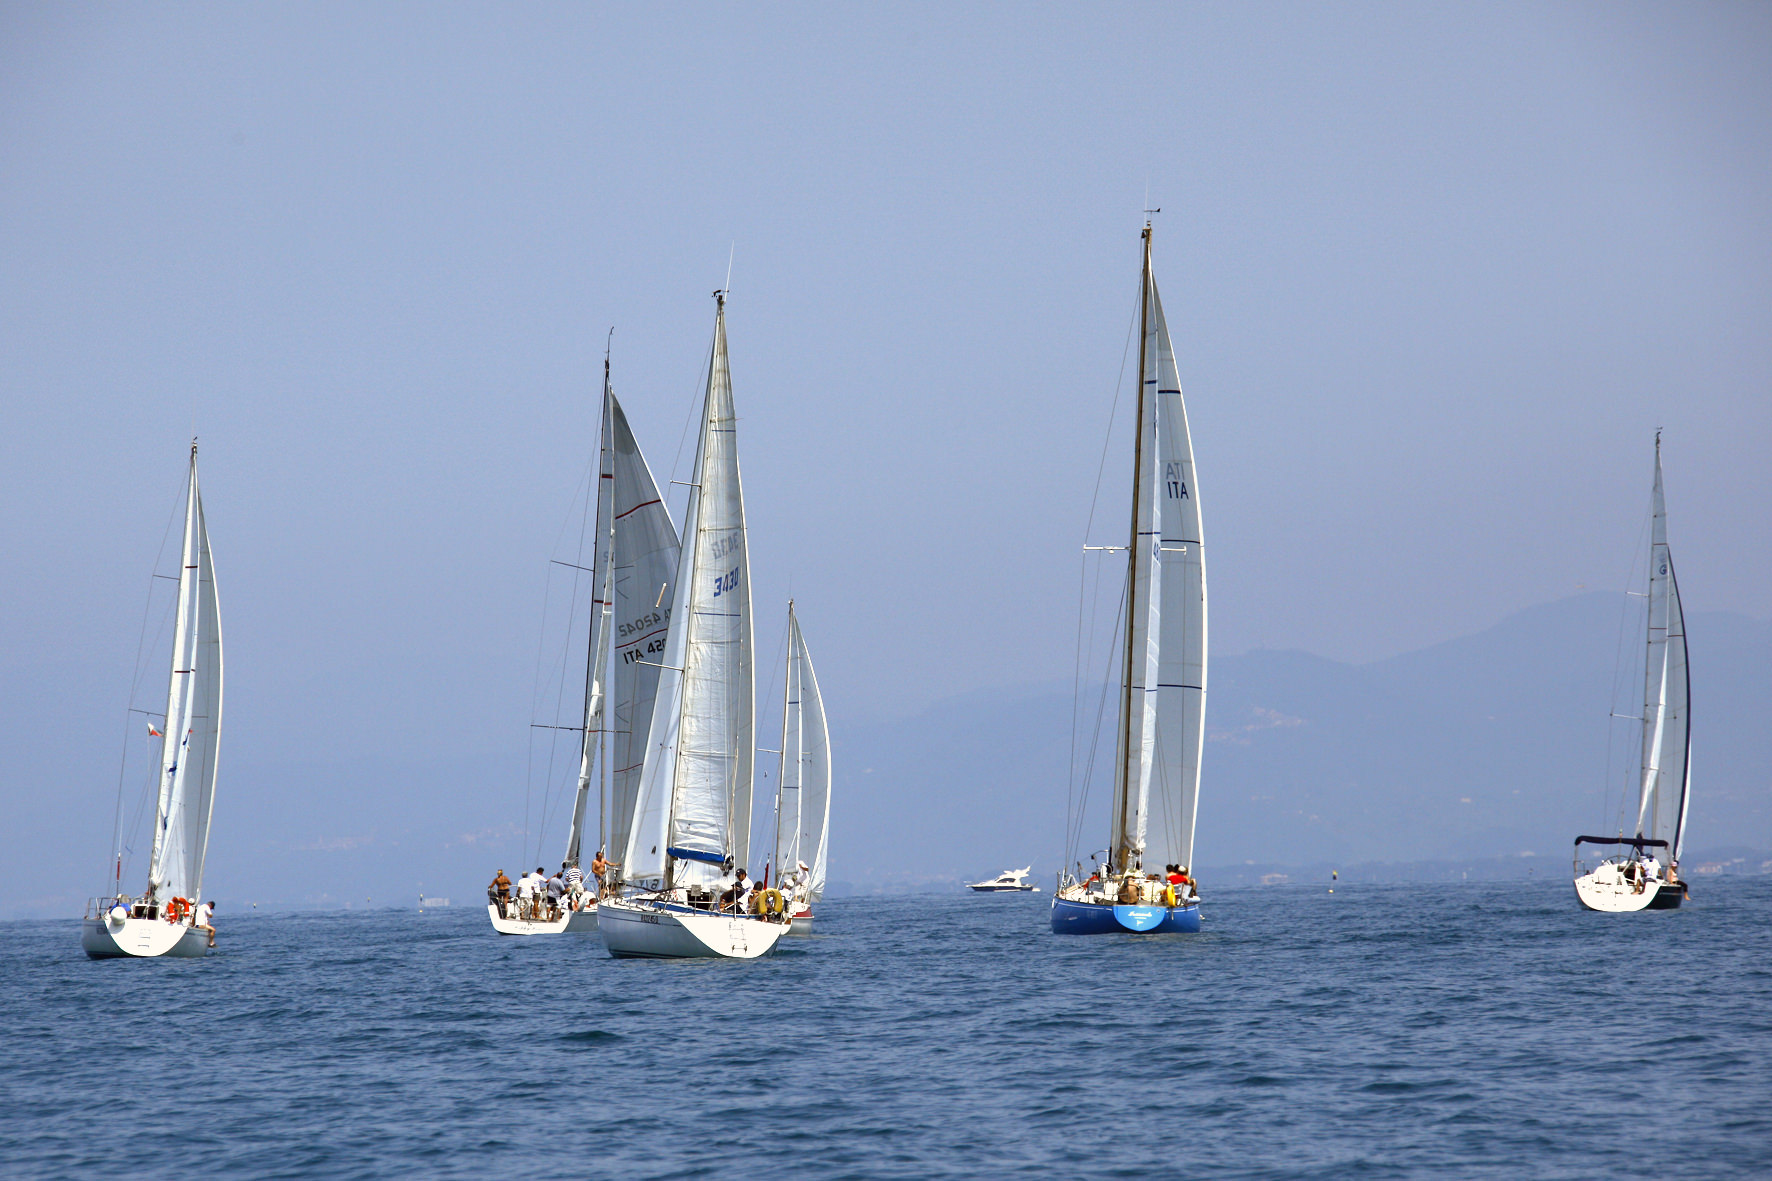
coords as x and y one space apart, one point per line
1436 275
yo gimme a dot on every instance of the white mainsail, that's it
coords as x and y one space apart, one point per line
1662 790
192 733
1163 685
803 802
693 817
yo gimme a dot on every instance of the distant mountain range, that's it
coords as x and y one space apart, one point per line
1493 746
1457 759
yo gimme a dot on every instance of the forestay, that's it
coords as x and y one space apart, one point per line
803 820
192 732
694 803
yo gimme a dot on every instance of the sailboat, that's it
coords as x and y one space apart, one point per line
691 826
633 564
163 919
803 790
1162 691
1644 872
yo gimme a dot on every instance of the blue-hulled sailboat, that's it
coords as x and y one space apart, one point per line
1162 690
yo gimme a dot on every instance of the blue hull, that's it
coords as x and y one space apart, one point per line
1091 918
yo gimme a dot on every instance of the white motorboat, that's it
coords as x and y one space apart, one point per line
161 921
803 789
692 820
1162 664
1010 881
1635 878
634 561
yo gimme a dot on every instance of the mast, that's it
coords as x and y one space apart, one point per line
1120 858
174 741
591 745
781 778
1655 660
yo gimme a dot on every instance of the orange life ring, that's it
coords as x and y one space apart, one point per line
177 909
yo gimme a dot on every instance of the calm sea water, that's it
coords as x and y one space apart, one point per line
1382 1031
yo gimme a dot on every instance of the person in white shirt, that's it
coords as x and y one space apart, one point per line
1652 867
204 920
525 895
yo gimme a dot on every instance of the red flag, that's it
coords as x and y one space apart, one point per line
155 733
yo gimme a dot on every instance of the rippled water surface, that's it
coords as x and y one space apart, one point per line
1382 1031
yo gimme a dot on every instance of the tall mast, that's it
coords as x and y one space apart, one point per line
592 749
173 743
1119 856
781 778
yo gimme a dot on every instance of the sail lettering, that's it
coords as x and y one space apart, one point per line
1173 483
726 582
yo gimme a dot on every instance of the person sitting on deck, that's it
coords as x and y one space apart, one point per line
205 920
1652 867
733 896
1128 890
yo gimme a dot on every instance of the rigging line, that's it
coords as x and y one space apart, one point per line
1077 823
706 369
565 660
1082 573
135 686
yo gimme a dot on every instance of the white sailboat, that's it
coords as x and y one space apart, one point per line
162 920
1645 874
634 564
803 790
1161 723
692 818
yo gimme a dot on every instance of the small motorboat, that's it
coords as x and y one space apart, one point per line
1010 880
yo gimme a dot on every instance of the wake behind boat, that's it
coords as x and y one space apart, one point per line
633 567
170 918
1162 694
691 829
1009 881
1634 878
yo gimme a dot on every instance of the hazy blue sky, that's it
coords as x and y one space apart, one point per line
1435 273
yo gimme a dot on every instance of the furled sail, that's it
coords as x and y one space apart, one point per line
1181 664
803 822
695 787
1662 795
192 732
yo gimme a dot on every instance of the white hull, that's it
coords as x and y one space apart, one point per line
573 922
656 932
1004 889
141 939
1607 890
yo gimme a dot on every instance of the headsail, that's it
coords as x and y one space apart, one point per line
193 716
803 821
1162 712
695 789
644 585
1661 799
1181 666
